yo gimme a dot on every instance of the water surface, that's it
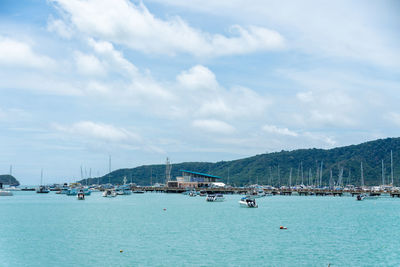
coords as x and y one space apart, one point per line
58 230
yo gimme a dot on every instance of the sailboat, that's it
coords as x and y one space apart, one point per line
42 189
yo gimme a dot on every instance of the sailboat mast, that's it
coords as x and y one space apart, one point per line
320 174
362 175
391 165
383 174
9 180
290 178
109 169
302 174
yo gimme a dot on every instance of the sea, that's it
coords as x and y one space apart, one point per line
159 229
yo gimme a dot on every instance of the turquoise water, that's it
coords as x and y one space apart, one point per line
57 230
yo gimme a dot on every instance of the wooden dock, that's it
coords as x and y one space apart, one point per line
284 192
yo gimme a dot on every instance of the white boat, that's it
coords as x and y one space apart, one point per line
192 193
361 197
109 193
248 202
4 193
81 196
257 193
123 190
215 198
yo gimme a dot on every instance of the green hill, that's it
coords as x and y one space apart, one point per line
7 179
274 168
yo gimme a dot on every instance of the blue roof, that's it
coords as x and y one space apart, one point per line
203 174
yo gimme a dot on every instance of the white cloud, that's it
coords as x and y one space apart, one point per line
123 22
338 29
280 131
213 126
198 77
330 141
20 54
99 131
88 64
58 26
114 58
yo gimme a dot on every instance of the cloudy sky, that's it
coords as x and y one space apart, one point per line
192 80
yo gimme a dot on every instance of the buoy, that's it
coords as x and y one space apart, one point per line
121 251
164 209
282 227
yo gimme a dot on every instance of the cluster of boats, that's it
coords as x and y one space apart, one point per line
248 201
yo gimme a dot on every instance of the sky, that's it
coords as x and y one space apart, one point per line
82 80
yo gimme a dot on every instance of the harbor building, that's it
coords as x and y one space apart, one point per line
194 180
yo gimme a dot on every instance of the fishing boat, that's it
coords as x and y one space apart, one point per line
81 196
215 198
248 202
109 193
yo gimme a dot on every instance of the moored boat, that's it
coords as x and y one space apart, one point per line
42 190
81 196
248 202
123 190
109 193
4 193
361 197
215 198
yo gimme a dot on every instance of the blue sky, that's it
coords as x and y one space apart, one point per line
192 80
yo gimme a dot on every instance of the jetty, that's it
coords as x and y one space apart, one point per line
275 191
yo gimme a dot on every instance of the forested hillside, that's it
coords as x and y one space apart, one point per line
274 168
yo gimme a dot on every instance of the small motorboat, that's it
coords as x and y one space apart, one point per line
215 198
192 193
361 197
109 193
81 196
123 190
203 193
248 202
138 192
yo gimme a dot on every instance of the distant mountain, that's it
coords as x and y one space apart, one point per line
7 179
274 168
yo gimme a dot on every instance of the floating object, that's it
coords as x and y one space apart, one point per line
164 209
283 228
121 251
248 202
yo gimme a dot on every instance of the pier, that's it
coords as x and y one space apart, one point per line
284 192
